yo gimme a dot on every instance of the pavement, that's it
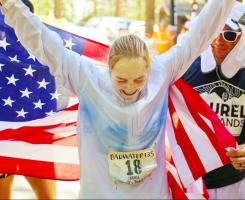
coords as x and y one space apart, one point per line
65 189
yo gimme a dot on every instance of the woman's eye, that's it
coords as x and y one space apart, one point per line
139 81
121 81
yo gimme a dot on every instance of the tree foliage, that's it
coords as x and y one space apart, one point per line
78 11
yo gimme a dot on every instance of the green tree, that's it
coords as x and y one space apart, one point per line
94 7
119 8
57 9
150 17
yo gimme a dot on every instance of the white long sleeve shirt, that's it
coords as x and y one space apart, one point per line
105 123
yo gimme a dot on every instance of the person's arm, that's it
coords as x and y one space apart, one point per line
45 45
203 30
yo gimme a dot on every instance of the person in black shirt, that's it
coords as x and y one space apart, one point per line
219 76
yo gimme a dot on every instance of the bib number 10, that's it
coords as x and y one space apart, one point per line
136 167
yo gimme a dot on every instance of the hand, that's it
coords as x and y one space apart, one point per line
237 157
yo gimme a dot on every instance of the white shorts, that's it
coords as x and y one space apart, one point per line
234 191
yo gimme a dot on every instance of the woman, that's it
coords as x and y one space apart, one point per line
122 113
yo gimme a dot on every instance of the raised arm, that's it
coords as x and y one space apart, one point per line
203 30
45 44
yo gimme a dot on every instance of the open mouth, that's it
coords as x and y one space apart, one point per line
129 94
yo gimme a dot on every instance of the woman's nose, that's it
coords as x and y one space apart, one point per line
129 85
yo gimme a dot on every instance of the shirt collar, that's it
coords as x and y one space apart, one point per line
208 63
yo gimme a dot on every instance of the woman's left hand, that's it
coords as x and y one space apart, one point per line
237 157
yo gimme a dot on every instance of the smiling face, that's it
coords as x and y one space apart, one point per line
221 48
129 76
129 65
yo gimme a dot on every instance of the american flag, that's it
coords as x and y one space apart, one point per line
33 135
197 142
197 190
44 148
27 90
49 143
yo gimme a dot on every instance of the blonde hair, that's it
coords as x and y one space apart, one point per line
130 46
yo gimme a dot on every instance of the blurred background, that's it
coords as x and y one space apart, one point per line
159 22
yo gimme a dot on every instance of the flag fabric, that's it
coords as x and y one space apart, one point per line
45 148
197 138
86 47
34 139
193 132
27 89
196 190
177 190
42 147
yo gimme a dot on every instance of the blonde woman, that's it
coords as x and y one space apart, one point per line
122 110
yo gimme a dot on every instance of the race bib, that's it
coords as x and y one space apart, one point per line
131 167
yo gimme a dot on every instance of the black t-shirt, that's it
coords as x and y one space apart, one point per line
227 98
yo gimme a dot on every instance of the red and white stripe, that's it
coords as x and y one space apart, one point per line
174 182
196 136
197 190
46 148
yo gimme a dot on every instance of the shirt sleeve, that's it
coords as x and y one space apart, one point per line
203 30
46 46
